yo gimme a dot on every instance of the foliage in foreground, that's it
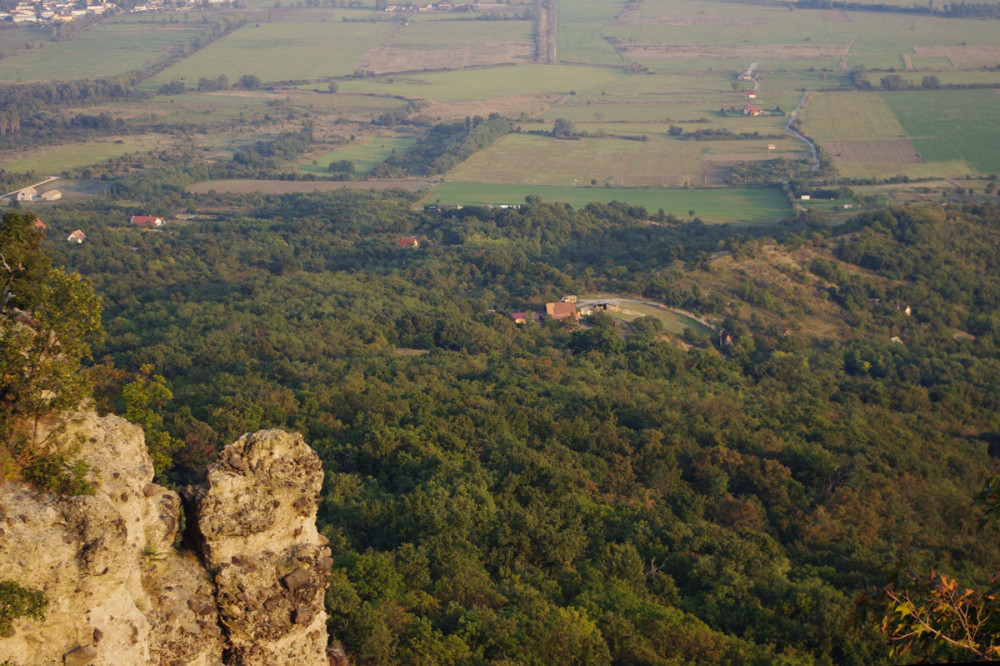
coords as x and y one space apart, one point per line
48 319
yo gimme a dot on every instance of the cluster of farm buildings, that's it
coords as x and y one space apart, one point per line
750 109
31 194
566 309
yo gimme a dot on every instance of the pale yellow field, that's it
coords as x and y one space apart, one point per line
658 162
849 116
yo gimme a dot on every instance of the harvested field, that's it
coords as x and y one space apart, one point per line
400 58
247 186
971 55
900 151
656 51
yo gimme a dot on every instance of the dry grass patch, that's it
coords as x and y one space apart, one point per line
402 59
967 55
657 51
900 151
632 17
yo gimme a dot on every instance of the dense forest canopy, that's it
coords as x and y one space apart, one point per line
594 493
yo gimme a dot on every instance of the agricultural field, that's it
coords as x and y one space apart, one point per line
293 50
949 126
628 75
104 50
439 45
657 162
733 206
919 134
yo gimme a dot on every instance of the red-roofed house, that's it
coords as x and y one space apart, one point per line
751 94
524 317
751 110
146 221
409 241
39 224
561 310
76 237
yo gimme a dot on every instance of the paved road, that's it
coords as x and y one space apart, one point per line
788 128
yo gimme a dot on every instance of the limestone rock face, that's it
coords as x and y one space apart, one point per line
119 591
257 522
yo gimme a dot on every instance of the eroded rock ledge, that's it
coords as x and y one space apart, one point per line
120 592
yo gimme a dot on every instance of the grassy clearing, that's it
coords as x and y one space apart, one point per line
71 156
364 155
850 116
104 50
716 206
951 125
279 52
673 322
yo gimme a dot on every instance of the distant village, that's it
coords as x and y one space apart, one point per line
54 12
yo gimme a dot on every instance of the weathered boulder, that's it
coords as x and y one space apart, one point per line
118 590
256 521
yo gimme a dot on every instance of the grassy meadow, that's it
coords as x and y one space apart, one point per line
365 154
57 159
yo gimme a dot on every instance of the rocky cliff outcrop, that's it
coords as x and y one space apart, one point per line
121 593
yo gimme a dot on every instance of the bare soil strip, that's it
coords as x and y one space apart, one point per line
898 151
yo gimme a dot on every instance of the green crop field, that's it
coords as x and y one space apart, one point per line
951 125
758 206
105 50
293 51
364 155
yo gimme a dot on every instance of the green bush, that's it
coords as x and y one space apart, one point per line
17 602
